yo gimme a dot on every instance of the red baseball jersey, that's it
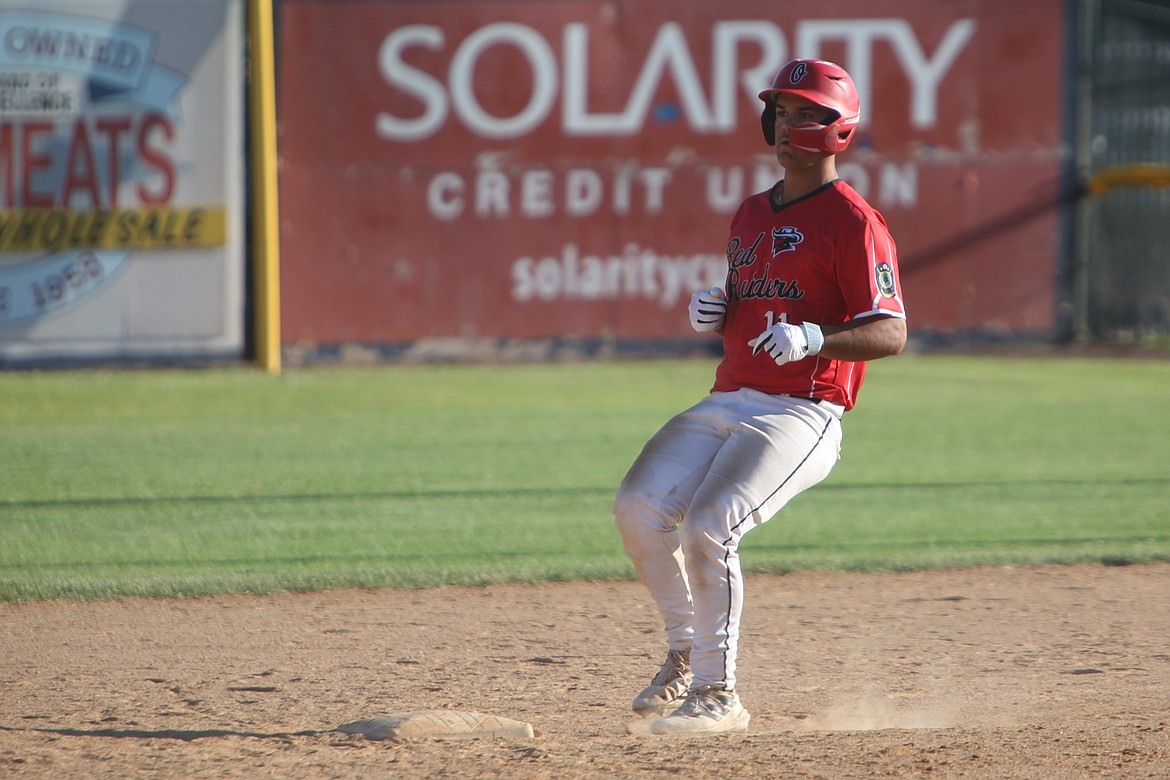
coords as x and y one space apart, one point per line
826 258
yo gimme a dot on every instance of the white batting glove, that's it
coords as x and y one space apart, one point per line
708 309
787 343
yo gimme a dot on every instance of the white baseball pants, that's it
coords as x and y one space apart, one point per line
719 469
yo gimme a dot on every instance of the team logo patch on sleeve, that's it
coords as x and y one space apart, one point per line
884 273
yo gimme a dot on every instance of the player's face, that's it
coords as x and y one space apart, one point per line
793 110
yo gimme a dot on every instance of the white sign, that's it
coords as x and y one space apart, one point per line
706 107
121 224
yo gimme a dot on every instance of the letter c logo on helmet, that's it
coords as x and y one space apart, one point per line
827 85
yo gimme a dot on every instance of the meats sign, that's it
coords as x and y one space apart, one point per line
120 179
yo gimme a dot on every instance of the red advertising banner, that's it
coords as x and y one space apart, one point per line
529 170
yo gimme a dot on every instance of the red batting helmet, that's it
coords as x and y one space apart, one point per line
829 86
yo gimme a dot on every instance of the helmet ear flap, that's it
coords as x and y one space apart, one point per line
811 137
768 124
837 138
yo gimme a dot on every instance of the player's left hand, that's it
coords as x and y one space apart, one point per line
708 309
784 342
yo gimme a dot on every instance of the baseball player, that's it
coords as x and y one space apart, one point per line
812 292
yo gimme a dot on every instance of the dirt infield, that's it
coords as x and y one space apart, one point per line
1007 672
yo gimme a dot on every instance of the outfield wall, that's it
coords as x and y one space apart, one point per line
512 170
498 170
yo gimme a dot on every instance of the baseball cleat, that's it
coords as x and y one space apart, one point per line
668 686
706 710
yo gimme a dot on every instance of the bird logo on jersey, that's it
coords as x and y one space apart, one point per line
785 239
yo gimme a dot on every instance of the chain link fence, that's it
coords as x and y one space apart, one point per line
1122 265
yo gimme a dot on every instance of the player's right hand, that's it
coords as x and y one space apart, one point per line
707 309
783 342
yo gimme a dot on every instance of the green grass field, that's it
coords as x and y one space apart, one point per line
183 483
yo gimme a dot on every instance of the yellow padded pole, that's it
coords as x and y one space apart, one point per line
265 214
